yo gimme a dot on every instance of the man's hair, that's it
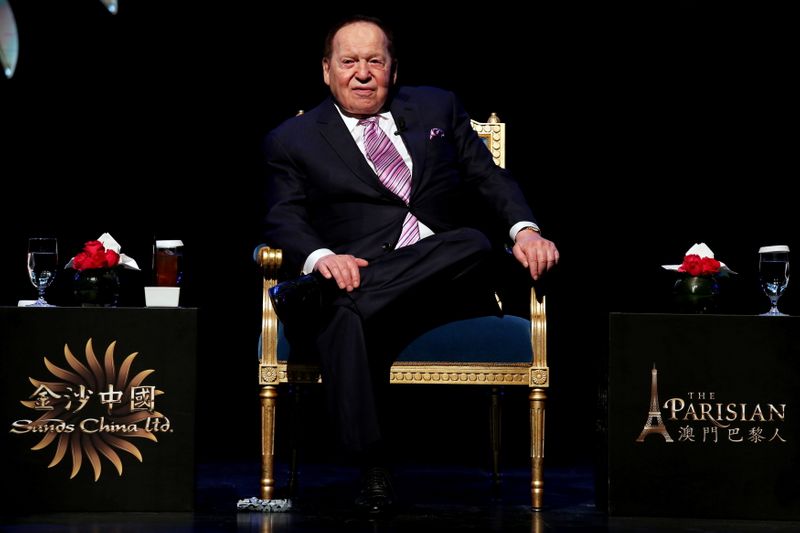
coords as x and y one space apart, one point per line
327 49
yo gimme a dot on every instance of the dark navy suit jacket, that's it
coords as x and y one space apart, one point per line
322 193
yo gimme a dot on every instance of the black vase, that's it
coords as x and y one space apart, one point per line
96 287
696 294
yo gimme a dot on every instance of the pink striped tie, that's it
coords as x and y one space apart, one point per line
392 172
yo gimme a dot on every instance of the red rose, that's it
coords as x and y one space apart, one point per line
112 258
710 265
692 264
94 247
94 255
80 260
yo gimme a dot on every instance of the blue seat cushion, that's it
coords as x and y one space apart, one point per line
487 339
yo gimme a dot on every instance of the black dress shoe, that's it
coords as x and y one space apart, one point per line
377 495
300 298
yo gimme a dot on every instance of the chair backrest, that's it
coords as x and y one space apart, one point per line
493 133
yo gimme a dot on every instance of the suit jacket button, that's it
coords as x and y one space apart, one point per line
386 247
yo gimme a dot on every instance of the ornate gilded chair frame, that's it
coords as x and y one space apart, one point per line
535 376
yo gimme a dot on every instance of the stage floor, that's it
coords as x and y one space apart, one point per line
436 498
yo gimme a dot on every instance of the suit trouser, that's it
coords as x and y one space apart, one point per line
402 294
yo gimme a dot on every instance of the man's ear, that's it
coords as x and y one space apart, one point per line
326 71
394 71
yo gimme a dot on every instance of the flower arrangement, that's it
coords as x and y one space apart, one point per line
96 282
95 255
699 266
101 253
699 261
697 292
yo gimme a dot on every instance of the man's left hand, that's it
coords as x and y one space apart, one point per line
534 252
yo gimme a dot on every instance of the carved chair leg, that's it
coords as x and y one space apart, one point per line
537 399
269 394
495 428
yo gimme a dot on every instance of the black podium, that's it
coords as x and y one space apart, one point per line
98 408
703 416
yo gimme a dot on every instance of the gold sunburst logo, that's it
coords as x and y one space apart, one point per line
93 411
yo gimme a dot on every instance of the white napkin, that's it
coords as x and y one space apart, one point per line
703 251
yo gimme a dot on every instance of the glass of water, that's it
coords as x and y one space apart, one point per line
42 265
773 271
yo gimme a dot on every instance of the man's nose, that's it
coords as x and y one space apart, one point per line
363 74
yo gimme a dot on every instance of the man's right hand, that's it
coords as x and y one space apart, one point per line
342 268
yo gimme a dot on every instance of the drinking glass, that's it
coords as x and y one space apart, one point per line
773 270
168 263
42 265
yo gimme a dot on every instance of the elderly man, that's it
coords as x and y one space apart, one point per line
372 195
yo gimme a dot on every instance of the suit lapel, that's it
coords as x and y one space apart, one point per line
335 133
407 114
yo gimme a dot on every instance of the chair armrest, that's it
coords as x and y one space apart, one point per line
520 296
539 372
269 259
523 297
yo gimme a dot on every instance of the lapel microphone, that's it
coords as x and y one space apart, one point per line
401 125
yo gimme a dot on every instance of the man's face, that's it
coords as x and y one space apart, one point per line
359 71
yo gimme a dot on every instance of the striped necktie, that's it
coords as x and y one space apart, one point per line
392 172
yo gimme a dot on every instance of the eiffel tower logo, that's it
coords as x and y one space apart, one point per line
654 425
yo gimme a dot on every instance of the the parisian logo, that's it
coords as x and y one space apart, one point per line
92 411
701 417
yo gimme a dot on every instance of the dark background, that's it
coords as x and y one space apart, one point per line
635 130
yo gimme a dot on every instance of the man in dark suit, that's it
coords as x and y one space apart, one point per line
374 190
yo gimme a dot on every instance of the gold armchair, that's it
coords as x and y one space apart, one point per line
502 362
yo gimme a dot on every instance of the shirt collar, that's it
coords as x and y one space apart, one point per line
352 122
